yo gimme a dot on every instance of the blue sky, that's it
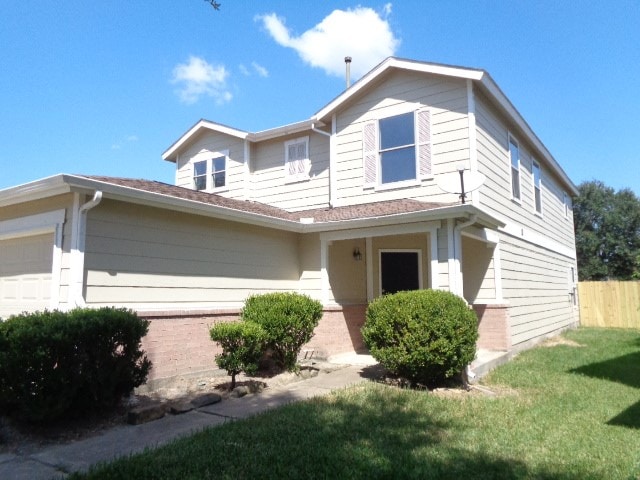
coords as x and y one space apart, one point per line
105 87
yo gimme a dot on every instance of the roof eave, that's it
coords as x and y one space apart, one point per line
170 154
439 213
36 190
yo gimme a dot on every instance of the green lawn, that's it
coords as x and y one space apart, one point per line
562 412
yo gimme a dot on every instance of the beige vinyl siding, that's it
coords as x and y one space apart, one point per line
347 276
149 258
204 147
495 194
310 278
447 101
536 287
478 272
268 182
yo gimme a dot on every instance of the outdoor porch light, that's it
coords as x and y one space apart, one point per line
357 256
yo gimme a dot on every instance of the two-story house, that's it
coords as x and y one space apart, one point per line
345 206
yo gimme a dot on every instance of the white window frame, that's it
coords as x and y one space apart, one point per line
536 188
422 143
513 141
209 159
298 175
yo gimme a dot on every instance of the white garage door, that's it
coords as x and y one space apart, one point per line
25 273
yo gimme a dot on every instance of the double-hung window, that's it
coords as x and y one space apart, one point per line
514 154
210 174
537 186
296 159
397 149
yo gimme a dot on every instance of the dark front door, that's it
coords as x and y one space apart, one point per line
399 271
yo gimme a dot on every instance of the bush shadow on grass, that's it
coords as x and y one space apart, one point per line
624 369
377 433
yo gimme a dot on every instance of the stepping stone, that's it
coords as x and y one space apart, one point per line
146 414
181 407
206 399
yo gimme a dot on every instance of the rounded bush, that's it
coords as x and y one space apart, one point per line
55 364
425 336
288 320
242 347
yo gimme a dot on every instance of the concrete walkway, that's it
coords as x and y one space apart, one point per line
58 460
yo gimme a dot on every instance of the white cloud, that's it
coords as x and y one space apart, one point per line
132 138
260 70
360 33
244 70
198 78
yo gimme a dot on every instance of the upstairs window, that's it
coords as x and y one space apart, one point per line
218 172
537 187
200 175
211 174
397 149
296 160
514 154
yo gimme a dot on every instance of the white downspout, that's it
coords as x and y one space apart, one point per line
76 283
457 247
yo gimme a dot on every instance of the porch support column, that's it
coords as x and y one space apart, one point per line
454 262
434 277
368 257
497 273
324 275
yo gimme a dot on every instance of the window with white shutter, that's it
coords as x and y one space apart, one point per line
424 142
297 159
370 153
397 149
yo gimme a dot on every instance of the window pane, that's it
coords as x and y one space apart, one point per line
218 179
515 183
200 175
199 168
200 182
218 164
538 201
396 131
398 165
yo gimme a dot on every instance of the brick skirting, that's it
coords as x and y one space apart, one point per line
178 342
493 327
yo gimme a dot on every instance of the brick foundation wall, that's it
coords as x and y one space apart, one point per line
178 342
493 327
337 332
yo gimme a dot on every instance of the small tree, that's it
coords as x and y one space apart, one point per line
242 347
425 336
288 320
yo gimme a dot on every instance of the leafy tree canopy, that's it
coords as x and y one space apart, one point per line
607 228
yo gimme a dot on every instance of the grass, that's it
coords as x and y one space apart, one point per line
562 412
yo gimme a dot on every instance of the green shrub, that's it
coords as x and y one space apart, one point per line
288 320
54 364
425 336
242 346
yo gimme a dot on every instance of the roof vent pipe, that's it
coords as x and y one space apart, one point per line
347 61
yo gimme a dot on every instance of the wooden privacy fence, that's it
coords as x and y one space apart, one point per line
609 304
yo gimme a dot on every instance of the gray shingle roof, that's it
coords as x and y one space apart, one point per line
320 215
